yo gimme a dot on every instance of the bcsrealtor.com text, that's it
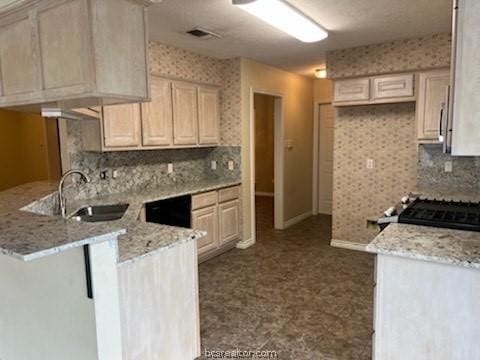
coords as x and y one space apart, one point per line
240 354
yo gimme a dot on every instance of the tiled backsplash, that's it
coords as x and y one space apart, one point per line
142 169
431 175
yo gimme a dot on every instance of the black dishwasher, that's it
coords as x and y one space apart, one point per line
174 211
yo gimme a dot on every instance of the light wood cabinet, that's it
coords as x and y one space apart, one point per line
229 214
393 86
208 115
206 220
432 91
185 114
72 54
218 213
352 90
464 115
374 90
157 115
121 126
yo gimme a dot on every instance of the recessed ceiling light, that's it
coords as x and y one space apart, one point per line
284 17
321 73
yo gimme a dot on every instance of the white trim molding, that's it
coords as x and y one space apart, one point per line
297 219
263 193
244 244
350 245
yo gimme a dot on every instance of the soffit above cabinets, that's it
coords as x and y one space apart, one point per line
72 54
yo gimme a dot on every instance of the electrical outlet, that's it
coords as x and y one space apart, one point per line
370 164
230 165
214 165
114 174
448 166
104 174
170 168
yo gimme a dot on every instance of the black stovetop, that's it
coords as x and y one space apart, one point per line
440 213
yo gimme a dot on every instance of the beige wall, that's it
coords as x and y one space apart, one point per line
24 151
264 143
297 92
323 90
384 133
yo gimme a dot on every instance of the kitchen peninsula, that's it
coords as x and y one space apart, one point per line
107 290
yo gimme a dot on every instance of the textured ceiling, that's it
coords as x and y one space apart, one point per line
349 22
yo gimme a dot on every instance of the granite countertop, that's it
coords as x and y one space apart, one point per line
27 236
446 246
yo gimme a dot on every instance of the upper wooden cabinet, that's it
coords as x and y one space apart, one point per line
122 126
185 114
432 95
157 115
208 115
73 53
374 90
180 114
464 115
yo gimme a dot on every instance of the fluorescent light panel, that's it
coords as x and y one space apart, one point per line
284 17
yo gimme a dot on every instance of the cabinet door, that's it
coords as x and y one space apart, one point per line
206 219
432 90
121 126
157 115
352 90
208 116
395 86
184 114
229 221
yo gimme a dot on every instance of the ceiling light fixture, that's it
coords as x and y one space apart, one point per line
284 17
321 73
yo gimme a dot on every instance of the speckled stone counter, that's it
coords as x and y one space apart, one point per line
455 247
28 235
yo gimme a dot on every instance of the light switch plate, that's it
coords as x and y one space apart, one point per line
448 166
214 165
170 168
230 165
370 164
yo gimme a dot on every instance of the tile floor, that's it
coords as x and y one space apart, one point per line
290 292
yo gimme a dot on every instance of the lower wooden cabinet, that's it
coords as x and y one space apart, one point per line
228 215
217 213
206 220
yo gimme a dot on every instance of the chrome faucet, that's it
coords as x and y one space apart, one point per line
61 198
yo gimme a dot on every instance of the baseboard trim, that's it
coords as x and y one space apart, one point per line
262 193
350 245
297 219
244 244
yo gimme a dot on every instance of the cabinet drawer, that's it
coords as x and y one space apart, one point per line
385 87
203 200
352 90
230 193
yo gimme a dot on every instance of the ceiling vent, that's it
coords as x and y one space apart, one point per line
203 34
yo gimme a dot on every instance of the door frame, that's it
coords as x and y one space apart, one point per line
278 168
316 158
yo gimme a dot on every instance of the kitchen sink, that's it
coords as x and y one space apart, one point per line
100 213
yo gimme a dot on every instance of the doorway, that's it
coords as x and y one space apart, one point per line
266 134
323 159
29 149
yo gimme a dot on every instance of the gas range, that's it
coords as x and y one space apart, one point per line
412 209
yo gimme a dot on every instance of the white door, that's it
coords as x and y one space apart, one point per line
325 158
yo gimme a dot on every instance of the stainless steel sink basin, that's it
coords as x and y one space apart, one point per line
100 213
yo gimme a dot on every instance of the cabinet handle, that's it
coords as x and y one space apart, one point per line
440 135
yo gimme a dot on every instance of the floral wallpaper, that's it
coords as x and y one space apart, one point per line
384 133
402 55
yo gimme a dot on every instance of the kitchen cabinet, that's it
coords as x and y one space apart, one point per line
122 126
218 213
185 114
464 115
372 90
157 116
179 115
228 220
432 95
71 54
208 115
